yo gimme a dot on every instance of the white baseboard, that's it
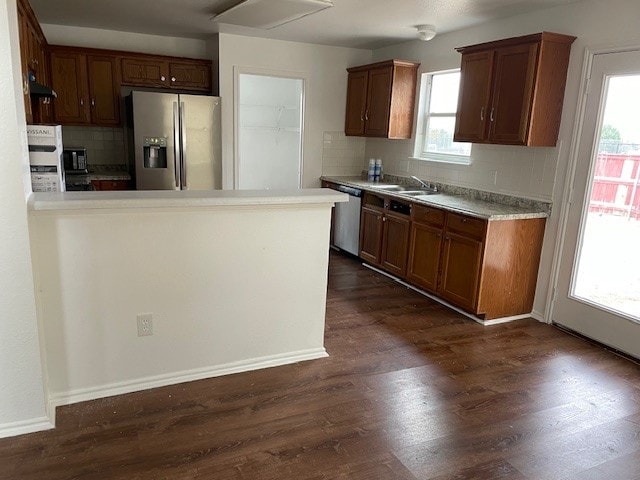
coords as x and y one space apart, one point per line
494 321
25 426
119 388
538 316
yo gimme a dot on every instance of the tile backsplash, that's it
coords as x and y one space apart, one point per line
511 170
105 145
342 155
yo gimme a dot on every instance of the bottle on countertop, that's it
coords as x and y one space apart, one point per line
378 170
371 173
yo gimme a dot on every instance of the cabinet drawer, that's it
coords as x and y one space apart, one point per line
473 227
373 201
420 213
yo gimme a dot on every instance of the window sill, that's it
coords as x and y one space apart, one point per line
450 159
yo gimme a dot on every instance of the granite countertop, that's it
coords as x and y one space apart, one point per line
470 202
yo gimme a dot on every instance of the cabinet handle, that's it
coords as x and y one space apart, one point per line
25 85
482 114
464 220
362 116
173 79
366 115
492 118
162 78
384 219
82 102
93 102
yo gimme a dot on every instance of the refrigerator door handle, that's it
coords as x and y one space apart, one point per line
176 144
183 157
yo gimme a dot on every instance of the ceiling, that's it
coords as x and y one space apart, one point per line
351 23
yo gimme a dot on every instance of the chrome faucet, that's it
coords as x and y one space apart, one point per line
428 186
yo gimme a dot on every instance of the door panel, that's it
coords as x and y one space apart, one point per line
105 100
512 94
379 101
473 102
145 72
424 255
190 76
371 235
69 80
155 116
356 103
395 240
201 143
598 284
461 270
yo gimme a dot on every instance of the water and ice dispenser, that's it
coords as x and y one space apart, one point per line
155 152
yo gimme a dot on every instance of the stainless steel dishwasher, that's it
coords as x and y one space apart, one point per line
346 227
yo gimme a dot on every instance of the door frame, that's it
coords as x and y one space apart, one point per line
568 190
266 72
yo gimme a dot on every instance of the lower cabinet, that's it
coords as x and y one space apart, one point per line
460 276
371 235
384 233
488 268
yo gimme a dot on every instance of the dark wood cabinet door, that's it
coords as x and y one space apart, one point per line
190 75
473 112
376 118
105 98
512 96
460 276
145 72
356 103
24 57
371 235
395 241
69 80
425 247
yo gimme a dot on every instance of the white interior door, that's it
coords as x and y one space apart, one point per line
598 286
269 132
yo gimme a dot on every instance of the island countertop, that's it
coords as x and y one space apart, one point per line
485 207
131 199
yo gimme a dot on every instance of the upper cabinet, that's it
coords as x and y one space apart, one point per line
33 61
380 99
88 88
164 72
511 91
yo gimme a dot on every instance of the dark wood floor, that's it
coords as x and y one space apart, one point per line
411 390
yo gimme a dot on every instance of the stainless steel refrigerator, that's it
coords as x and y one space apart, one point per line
177 141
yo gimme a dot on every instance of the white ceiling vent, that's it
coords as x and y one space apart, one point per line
268 14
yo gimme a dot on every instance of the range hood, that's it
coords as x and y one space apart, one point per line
267 14
38 90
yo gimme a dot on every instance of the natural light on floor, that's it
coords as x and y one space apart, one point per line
608 271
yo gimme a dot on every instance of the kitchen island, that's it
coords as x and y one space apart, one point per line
232 281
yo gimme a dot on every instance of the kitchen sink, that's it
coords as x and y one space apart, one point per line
418 193
391 188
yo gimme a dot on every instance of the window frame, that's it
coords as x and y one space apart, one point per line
420 147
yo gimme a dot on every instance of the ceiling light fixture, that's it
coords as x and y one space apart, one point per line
426 32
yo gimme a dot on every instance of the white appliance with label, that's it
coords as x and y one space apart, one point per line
45 158
177 141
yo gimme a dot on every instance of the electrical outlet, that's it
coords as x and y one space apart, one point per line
145 324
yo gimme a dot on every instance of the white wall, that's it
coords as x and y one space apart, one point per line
22 406
325 91
231 288
127 41
531 172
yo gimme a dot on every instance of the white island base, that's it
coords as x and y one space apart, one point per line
234 281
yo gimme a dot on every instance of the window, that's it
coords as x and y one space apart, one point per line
437 118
